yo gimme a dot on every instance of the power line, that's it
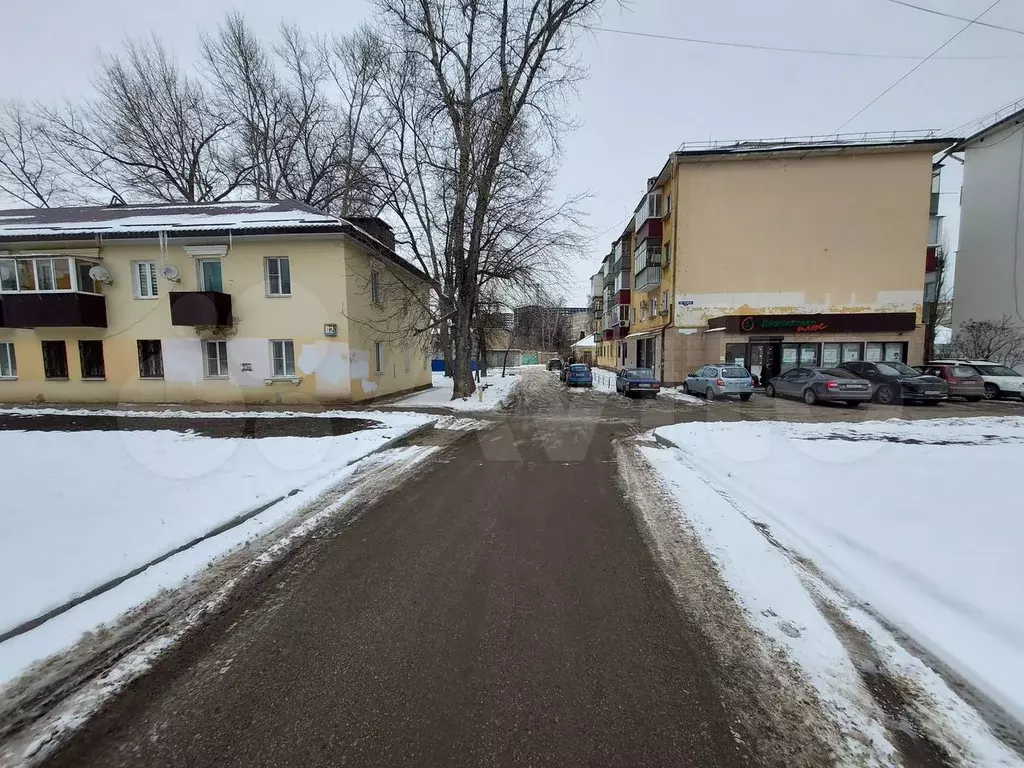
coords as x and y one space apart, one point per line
958 18
780 49
914 68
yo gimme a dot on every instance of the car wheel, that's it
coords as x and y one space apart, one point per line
769 389
972 399
852 403
744 398
810 396
991 392
709 394
686 388
884 394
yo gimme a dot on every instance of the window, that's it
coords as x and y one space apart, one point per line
282 358
56 273
85 281
216 359
144 277
633 314
211 275
8 275
55 360
666 254
378 356
151 359
8 365
375 296
654 307
664 302
279 276
90 353
851 352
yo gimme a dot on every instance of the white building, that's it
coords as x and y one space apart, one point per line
989 266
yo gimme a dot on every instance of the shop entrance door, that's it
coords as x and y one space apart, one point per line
764 360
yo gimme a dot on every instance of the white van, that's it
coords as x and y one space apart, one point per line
1000 380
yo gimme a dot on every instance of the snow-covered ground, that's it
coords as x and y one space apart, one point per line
677 394
917 522
492 392
83 508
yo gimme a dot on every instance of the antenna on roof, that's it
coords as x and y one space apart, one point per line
116 201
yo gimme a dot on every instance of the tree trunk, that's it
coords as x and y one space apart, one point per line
464 384
481 352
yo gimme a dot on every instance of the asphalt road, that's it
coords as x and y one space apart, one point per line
501 608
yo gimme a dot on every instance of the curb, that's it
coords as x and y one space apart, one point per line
234 522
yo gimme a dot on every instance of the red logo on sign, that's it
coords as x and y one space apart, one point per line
817 327
747 324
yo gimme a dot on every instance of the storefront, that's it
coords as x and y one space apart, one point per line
766 345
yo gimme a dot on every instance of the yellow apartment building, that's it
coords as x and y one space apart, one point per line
773 254
236 302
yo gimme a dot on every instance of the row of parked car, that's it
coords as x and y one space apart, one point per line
632 382
853 383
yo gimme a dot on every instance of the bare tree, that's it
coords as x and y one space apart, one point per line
28 171
484 70
938 303
1001 341
152 132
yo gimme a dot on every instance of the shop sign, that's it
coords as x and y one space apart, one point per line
864 322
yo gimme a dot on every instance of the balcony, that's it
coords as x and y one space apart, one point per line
609 278
200 308
647 255
935 230
651 229
649 279
53 310
649 208
622 282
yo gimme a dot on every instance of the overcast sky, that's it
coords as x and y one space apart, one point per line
645 96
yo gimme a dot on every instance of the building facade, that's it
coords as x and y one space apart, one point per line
989 266
228 302
772 255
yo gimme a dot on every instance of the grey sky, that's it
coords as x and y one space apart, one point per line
644 96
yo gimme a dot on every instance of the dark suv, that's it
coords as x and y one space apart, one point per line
896 382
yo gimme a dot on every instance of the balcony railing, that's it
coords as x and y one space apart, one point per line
609 320
648 279
622 281
200 308
609 279
650 208
647 255
53 310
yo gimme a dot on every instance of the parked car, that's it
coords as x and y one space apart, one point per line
638 382
962 380
554 364
1000 381
720 380
814 385
578 375
896 382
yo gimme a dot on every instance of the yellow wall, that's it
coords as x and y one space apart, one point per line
326 367
842 233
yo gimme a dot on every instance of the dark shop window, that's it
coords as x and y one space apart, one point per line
91 355
151 359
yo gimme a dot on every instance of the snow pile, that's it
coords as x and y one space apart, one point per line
918 520
677 394
604 381
492 392
84 508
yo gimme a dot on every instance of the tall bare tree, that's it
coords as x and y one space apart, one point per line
152 132
28 170
938 304
1001 341
482 71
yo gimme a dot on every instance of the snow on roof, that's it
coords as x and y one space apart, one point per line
195 217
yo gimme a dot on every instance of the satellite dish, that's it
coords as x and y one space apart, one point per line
100 274
169 272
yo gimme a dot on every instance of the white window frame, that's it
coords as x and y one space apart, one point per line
375 287
49 257
378 357
280 293
222 364
137 280
285 374
9 359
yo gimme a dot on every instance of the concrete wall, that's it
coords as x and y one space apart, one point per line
324 365
842 233
989 268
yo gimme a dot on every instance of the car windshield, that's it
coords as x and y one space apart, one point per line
996 370
639 373
894 368
735 373
578 368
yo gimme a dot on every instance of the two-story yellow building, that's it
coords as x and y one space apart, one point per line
257 302
773 254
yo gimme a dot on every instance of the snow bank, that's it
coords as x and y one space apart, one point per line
918 519
496 394
82 508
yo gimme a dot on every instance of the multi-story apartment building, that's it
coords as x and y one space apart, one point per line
616 270
220 302
989 265
773 254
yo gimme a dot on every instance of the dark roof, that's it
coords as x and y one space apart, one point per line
243 217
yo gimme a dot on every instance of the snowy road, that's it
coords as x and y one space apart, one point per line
511 604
